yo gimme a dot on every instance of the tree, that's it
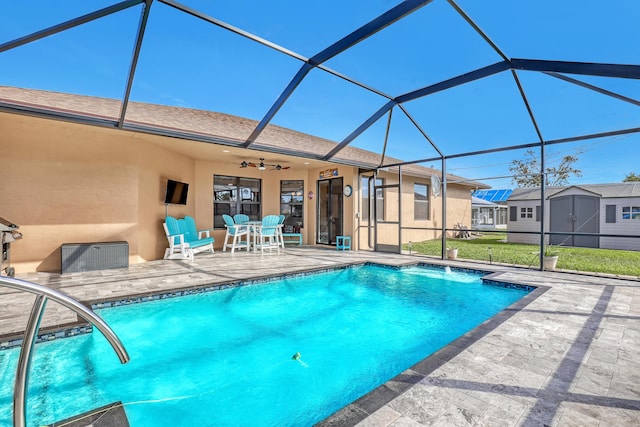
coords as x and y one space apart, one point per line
631 177
526 172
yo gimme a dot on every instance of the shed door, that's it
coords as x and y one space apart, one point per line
587 220
575 214
560 213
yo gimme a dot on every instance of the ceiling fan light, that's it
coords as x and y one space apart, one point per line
261 167
244 164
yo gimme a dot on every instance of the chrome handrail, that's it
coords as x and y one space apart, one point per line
31 333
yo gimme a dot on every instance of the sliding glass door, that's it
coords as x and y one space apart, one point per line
329 208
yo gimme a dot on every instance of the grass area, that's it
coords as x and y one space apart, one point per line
576 259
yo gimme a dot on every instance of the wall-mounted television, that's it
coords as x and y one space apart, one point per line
176 192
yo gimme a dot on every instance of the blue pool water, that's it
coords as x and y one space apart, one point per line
225 358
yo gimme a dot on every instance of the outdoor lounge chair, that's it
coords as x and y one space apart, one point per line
235 233
184 239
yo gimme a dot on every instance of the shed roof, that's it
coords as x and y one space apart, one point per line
614 190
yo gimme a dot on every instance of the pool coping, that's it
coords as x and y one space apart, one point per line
362 407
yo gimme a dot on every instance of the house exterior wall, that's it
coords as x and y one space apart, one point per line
270 193
414 230
70 183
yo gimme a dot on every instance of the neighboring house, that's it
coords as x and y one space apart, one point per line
590 208
489 209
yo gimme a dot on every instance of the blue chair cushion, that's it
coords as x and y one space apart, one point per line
201 242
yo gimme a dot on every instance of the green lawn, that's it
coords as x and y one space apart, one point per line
576 259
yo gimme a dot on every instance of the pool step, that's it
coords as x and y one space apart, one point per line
111 415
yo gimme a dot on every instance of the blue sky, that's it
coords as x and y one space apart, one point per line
187 62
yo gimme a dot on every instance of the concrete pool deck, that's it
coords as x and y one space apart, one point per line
567 355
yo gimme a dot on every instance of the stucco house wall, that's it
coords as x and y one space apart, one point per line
68 182
71 183
415 230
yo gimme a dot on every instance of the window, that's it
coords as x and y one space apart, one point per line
292 204
420 201
233 195
610 213
538 213
513 213
379 199
526 212
631 212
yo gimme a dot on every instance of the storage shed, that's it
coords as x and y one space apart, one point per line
605 209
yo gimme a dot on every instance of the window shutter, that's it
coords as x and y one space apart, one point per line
513 213
538 213
611 213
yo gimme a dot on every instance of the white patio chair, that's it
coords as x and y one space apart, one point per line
268 236
235 233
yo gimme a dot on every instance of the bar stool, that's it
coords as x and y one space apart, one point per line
343 243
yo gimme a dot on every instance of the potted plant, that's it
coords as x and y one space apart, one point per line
550 258
452 253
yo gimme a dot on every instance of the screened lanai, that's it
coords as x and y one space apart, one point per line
459 89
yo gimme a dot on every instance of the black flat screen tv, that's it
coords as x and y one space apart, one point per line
176 192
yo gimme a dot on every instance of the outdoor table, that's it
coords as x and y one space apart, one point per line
254 230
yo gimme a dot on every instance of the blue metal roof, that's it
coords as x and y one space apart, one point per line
495 196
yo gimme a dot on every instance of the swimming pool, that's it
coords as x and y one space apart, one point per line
227 357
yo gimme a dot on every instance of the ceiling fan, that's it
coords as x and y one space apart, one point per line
262 165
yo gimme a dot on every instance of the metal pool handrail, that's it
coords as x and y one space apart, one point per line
31 333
